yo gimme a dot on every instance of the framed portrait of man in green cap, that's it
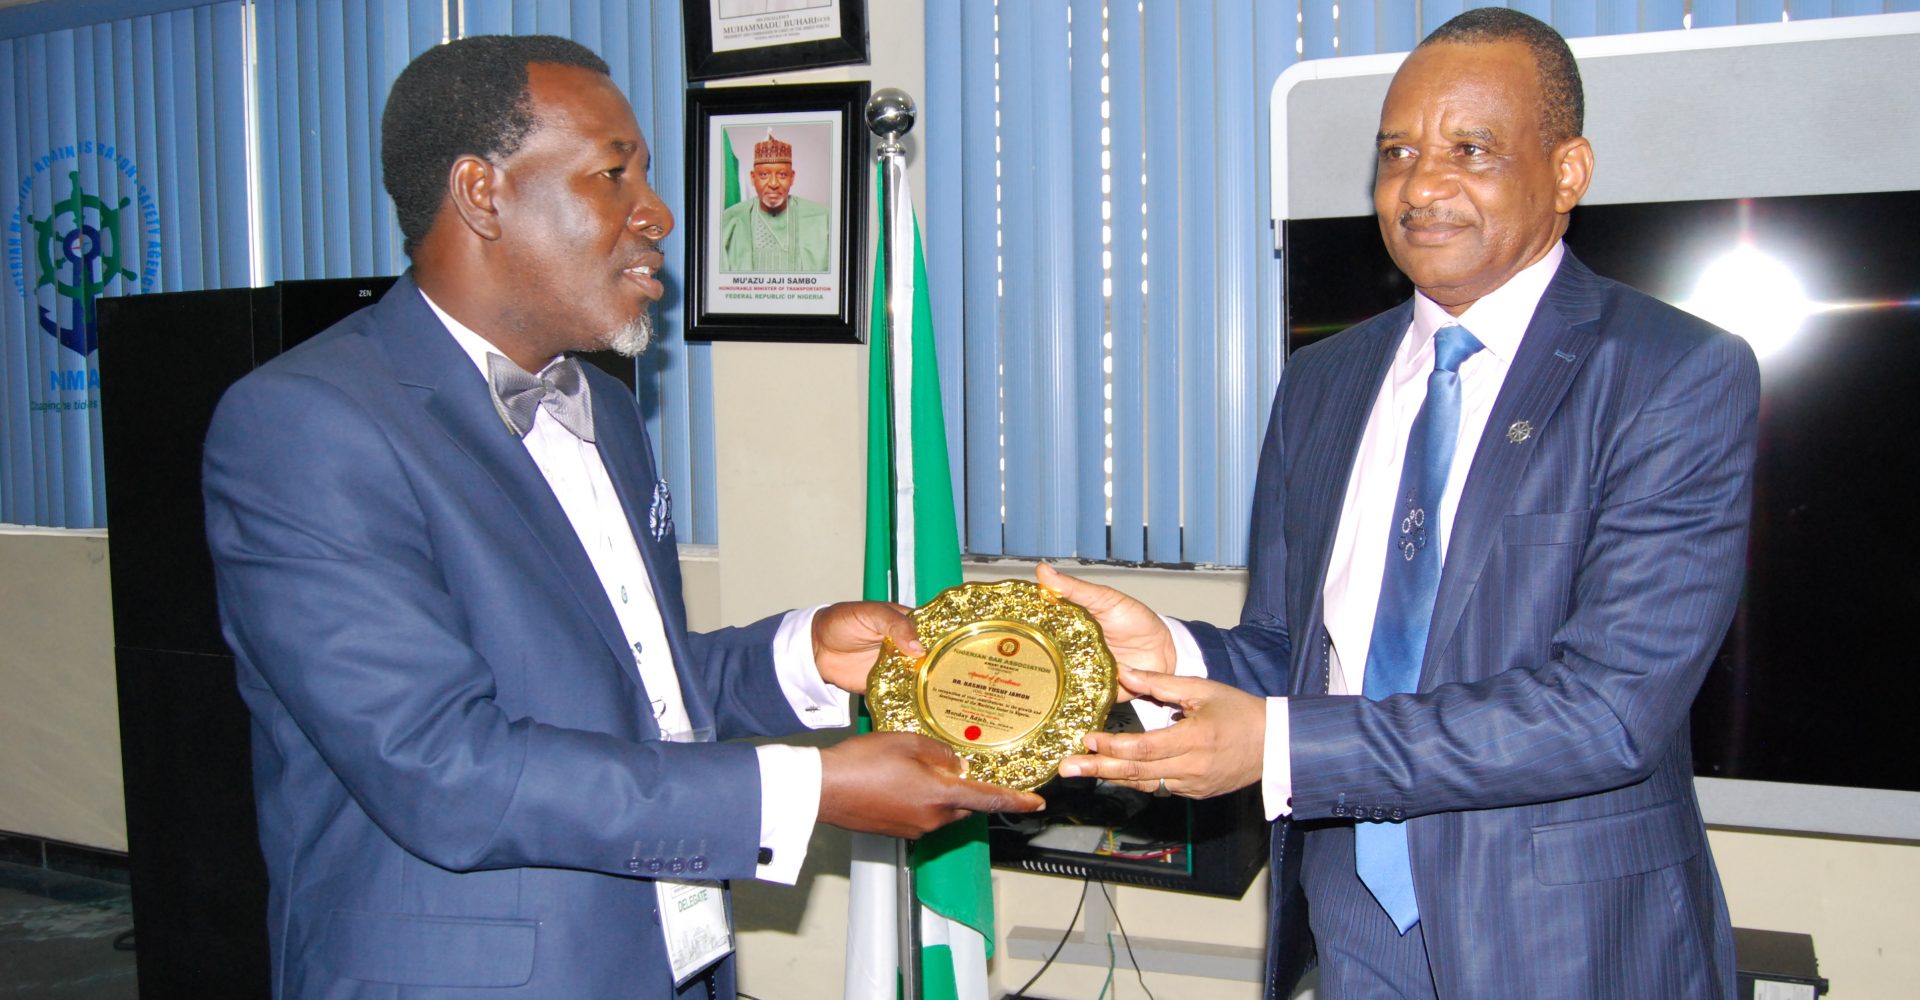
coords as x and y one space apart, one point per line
776 200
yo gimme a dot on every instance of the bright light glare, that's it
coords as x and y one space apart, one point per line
1753 295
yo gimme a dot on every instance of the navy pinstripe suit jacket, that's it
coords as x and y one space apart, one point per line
1543 767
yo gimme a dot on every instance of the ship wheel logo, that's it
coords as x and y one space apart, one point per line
80 248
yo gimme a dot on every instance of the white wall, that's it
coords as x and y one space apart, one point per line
59 713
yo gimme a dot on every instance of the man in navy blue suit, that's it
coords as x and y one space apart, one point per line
488 753
1498 535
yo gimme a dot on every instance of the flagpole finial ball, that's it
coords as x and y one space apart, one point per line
890 113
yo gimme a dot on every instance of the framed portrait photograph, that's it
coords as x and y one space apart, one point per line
776 208
749 37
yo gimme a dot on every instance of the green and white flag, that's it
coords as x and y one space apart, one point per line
730 169
913 553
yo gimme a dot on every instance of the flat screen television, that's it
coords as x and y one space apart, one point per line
1815 682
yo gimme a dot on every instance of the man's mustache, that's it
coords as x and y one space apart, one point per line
1428 217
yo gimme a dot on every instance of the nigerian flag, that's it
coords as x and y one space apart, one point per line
730 169
913 553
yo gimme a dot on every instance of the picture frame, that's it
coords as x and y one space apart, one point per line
776 255
749 37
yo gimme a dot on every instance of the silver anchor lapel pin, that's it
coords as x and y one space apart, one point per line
1519 431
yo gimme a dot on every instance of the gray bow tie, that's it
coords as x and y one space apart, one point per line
561 387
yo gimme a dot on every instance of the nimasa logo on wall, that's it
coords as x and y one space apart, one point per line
66 245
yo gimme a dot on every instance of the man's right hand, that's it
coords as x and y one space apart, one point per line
905 785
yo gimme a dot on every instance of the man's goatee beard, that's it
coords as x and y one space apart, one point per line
633 338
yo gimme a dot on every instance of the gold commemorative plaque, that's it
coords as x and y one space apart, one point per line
1013 678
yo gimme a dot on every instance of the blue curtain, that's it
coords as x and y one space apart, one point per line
1118 343
1101 264
123 161
324 69
130 167
1104 286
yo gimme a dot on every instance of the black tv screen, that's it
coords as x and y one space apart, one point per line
1815 681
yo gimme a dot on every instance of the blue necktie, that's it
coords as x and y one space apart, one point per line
1405 613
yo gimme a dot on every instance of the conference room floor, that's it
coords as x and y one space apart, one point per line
57 934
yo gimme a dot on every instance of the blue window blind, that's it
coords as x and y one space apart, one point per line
1097 246
323 72
1100 257
123 167
244 137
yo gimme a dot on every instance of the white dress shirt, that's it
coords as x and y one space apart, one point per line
1351 592
789 776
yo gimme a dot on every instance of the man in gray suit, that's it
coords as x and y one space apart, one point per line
1497 538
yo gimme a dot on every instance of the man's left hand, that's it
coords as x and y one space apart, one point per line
1217 747
847 637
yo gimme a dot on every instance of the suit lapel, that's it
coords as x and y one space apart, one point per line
426 358
1556 346
1327 454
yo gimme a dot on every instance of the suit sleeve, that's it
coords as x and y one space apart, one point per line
352 646
1653 591
738 680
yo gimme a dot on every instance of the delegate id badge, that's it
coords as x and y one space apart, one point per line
693 916
693 912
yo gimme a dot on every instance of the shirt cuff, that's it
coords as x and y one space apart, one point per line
1188 662
818 704
1276 771
789 804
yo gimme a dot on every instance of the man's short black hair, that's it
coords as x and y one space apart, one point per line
468 96
1563 104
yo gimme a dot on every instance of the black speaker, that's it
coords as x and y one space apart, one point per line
199 883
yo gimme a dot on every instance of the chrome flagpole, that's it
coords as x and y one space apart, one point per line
890 115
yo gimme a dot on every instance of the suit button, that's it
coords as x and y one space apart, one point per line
1399 814
653 866
633 865
1379 813
699 865
677 865
1339 810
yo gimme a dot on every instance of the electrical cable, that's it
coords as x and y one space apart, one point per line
1064 935
1104 987
1124 939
